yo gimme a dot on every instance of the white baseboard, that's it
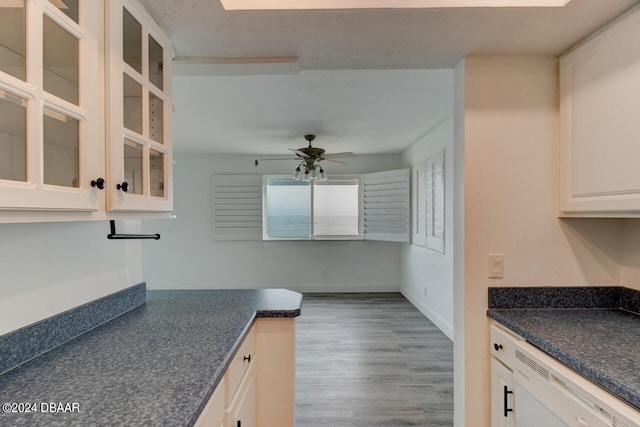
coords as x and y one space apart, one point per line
302 289
437 320
344 288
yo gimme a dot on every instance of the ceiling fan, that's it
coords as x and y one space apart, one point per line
310 157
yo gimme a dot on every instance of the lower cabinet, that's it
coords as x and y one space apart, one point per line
258 388
242 411
502 411
502 384
213 414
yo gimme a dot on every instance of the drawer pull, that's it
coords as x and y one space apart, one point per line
497 346
247 359
239 423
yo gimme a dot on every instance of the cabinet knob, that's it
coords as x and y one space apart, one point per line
98 183
248 358
497 346
124 186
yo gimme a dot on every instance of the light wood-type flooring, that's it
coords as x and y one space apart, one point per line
371 360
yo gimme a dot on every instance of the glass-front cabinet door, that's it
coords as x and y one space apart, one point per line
50 133
139 111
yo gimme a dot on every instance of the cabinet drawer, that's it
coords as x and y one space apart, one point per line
213 414
501 343
244 358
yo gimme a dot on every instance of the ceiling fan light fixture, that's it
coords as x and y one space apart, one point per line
321 175
297 173
313 174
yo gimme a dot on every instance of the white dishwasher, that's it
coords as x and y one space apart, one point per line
549 394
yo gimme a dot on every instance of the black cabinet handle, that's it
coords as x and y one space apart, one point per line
247 358
239 423
507 392
497 346
98 183
124 186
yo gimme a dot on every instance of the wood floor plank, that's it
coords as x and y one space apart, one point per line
371 360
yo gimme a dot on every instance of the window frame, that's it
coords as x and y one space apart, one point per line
334 177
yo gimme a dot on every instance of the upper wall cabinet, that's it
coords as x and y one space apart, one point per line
139 150
600 130
50 150
85 132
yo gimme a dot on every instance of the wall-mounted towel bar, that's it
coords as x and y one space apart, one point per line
115 236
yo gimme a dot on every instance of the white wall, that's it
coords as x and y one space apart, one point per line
510 198
424 268
51 267
187 256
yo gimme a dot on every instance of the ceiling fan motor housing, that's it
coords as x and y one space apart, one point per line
311 152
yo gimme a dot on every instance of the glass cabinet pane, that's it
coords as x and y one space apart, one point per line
133 166
132 104
155 117
68 7
60 60
13 137
156 166
61 149
12 39
131 41
155 63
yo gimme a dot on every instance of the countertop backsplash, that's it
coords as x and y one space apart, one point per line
541 297
31 341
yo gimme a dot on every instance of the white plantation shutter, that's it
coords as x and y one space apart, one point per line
435 202
419 204
427 203
237 207
386 206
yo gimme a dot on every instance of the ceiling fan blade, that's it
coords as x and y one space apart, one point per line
338 155
335 162
280 158
257 161
299 153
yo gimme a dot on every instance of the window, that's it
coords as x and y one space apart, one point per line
304 210
372 206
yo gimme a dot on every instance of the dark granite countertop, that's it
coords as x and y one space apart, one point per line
603 345
155 365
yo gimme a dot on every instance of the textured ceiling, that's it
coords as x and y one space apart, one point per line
376 39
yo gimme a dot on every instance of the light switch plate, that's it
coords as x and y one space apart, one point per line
496 266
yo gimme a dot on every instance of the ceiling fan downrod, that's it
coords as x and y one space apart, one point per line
309 138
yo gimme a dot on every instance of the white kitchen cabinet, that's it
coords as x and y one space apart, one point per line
258 387
242 410
599 129
139 145
73 132
213 413
502 411
50 134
